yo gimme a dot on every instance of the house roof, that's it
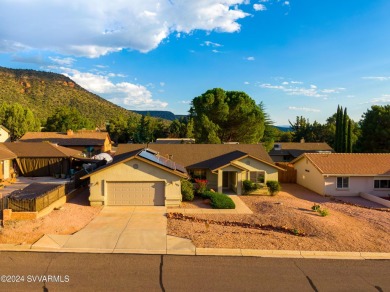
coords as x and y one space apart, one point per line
83 138
43 149
174 141
304 146
5 129
160 162
349 163
209 156
5 153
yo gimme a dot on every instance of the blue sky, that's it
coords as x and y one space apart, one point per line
300 57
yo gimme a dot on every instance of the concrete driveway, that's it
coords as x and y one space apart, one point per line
121 229
124 229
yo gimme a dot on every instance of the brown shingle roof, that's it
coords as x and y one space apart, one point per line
5 153
350 163
75 139
43 149
202 155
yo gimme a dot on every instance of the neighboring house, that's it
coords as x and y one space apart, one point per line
344 174
174 141
286 152
4 134
41 159
138 177
6 157
89 142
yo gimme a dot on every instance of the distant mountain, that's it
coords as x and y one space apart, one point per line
284 128
161 114
43 92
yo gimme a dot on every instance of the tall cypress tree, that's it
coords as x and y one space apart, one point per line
349 137
344 131
336 138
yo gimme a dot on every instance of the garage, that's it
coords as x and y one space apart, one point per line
135 193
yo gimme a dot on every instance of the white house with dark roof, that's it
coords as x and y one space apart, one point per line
344 174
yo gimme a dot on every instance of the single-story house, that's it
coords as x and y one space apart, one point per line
89 142
6 157
344 174
286 152
41 159
4 134
139 175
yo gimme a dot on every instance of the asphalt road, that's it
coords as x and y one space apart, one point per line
125 272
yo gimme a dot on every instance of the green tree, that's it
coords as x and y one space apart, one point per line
67 118
226 116
118 129
375 130
18 120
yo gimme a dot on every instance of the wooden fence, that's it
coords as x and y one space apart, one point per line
289 175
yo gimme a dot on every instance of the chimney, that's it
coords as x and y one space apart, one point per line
69 132
170 156
302 140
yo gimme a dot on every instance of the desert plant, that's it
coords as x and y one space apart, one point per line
273 187
201 186
187 190
249 186
323 212
315 207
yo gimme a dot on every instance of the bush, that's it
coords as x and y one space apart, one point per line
273 187
315 207
187 190
249 186
219 201
201 186
323 212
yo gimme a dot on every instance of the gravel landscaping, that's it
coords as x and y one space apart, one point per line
346 228
70 218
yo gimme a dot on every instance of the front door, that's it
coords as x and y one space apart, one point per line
225 179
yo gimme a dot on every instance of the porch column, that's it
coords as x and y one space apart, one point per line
239 182
220 176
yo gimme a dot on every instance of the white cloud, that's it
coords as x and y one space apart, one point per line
286 3
296 88
211 44
250 58
62 61
216 51
304 109
246 83
125 94
162 84
83 28
259 7
385 99
378 78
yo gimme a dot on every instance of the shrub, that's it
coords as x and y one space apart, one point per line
249 186
323 212
315 207
187 190
220 201
273 187
201 186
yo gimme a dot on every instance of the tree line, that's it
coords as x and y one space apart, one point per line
219 116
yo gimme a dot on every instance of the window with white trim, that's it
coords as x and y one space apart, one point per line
381 184
343 182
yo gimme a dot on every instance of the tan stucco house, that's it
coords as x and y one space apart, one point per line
344 174
6 157
89 142
140 177
4 134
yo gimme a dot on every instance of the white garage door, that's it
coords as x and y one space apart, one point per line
135 194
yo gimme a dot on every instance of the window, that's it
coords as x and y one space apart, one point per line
381 184
257 176
198 173
342 182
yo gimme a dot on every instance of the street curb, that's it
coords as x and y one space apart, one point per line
215 252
